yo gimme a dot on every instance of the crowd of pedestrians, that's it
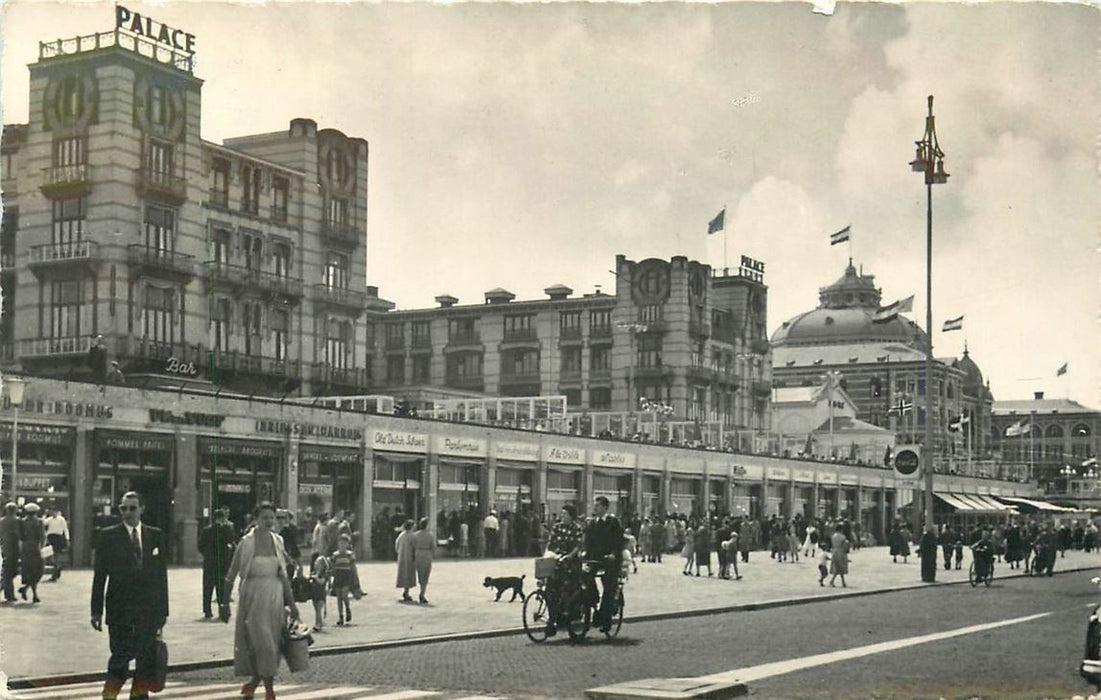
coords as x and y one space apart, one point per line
29 544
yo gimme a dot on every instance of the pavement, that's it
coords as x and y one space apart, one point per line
54 638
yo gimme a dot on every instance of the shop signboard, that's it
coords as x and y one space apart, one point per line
849 480
517 451
399 441
604 458
460 447
566 455
36 483
827 478
216 446
315 489
805 476
39 434
779 473
318 453
234 488
137 441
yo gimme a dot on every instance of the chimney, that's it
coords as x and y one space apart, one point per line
499 296
1038 395
446 301
558 292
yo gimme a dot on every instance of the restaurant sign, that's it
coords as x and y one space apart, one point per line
460 447
282 427
566 455
315 489
613 459
38 434
517 451
396 441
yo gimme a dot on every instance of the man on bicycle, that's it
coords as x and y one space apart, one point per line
983 551
604 543
565 542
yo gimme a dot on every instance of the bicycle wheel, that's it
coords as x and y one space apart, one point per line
989 575
617 619
536 616
971 575
580 616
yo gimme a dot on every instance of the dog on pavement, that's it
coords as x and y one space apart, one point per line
504 583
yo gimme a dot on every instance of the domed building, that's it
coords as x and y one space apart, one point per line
881 362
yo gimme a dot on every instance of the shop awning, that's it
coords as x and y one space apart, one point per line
974 503
1043 506
956 503
993 504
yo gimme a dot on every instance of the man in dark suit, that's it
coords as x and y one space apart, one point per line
130 562
604 542
216 546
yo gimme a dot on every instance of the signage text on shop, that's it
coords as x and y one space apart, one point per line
38 434
62 408
281 427
316 489
466 447
399 442
210 420
566 455
779 473
42 483
187 369
615 459
313 454
147 26
235 488
519 451
119 442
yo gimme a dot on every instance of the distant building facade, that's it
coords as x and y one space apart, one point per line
1048 436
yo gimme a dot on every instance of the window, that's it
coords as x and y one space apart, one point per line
280 329
250 180
281 255
223 310
600 399
600 358
157 316
1054 431
69 151
336 271
221 246
422 369
65 312
395 335
649 351
520 362
600 321
395 369
422 333
160 227
159 160
337 212
219 187
571 360
464 365
335 167
519 326
253 244
68 221
650 314
71 97
280 189
251 322
573 397
1080 430
877 387
461 328
570 323
338 343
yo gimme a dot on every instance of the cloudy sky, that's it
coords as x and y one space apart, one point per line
526 145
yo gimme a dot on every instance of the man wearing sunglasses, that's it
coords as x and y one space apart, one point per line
131 563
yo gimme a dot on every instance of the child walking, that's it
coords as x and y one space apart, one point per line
344 562
823 566
320 573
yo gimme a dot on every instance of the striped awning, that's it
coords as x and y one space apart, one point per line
1038 505
952 500
974 503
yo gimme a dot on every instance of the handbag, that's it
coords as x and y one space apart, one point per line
160 675
301 588
46 552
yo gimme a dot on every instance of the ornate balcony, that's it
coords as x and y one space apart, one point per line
458 340
54 347
470 382
354 378
602 375
64 257
278 213
161 263
162 186
395 343
570 334
600 332
569 376
422 341
222 275
520 378
521 335
344 299
342 234
66 180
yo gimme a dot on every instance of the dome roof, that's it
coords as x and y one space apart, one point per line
853 325
972 382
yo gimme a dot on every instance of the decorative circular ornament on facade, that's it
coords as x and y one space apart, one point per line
71 102
336 163
651 282
159 108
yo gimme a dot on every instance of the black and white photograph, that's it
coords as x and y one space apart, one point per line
384 350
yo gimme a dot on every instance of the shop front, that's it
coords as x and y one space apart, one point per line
685 496
460 484
45 464
399 461
237 475
804 492
514 487
827 495
330 478
779 492
849 488
613 478
651 495
131 461
565 467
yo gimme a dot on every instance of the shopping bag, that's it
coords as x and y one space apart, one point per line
296 646
161 671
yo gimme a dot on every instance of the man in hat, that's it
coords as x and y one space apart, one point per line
97 360
11 537
131 560
115 375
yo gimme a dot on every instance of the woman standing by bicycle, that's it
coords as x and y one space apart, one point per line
565 541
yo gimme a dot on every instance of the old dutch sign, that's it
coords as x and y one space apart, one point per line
907 463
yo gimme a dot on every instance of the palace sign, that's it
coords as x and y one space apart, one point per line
135 23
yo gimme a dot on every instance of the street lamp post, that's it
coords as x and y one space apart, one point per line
15 395
632 330
929 160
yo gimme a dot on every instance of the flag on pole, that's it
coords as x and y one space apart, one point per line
716 224
952 324
900 408
1021 427
1091 462
1062 370
840 237
892 311
958 422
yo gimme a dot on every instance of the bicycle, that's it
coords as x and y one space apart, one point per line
985 577
579 600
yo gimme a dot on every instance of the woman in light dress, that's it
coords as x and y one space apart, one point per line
424 551
407 574
261 562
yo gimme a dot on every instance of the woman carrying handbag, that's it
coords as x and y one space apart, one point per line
261 562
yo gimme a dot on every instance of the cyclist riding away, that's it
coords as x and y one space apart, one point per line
983 551
565 542
603 542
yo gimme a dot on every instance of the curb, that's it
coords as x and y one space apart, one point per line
89 677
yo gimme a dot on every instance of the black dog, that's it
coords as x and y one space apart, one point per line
503 583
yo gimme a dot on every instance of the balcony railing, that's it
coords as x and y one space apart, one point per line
341 233
600 332
53 347
236 276
278 213
395 342
600 375
521 334
219 199
337 296
161 185
570 375
471 338
520 377
422 341
571 333
161 260
66 179
325 373
59 253
149 48
473 382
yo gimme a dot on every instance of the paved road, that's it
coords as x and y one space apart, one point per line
1027 659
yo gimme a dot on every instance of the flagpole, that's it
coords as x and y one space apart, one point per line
725 267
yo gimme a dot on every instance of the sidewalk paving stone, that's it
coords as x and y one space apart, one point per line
55 637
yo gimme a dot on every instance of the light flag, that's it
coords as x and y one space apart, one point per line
841 236
1021 427
900 408
958 422
952 324
1062 370
717 224
892 311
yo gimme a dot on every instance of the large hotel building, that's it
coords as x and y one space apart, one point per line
228 281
